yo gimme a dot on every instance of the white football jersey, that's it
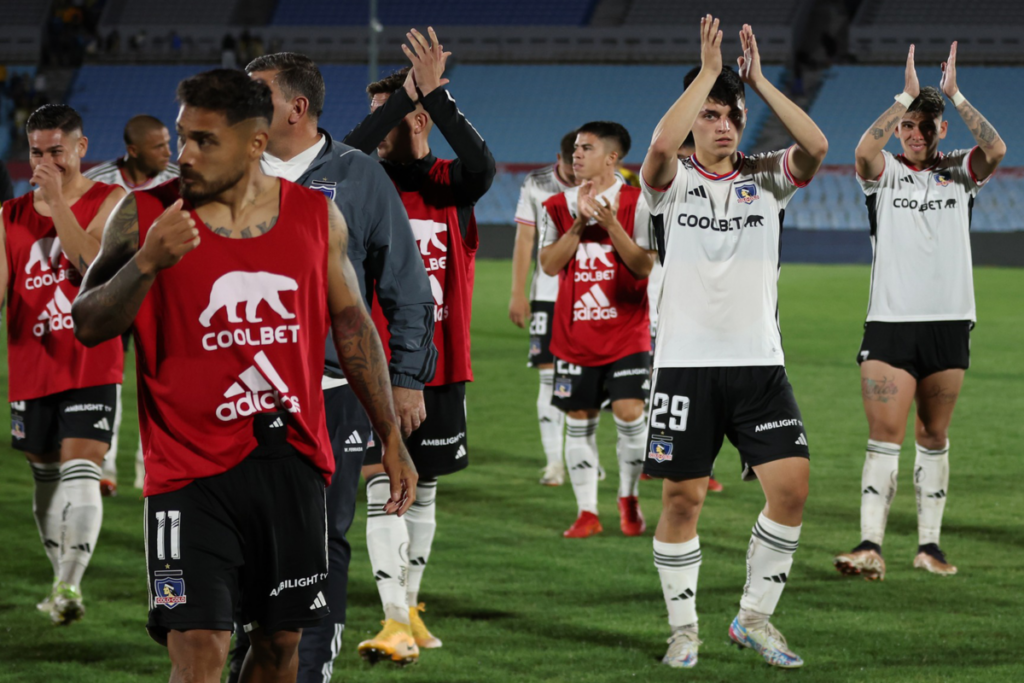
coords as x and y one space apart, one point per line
538 186
718 238
920 223
110 172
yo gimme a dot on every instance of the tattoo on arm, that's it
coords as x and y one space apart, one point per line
887 121
984 134
113 288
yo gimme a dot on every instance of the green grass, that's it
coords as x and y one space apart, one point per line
513 601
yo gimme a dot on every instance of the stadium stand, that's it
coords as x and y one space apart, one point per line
168 14
451 13
754 12
21 29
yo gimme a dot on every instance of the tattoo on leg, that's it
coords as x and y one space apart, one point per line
878 390
943 395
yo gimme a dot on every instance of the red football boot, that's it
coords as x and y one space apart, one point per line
631 520
714 486
587 524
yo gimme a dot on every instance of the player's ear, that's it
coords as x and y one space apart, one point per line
300 106
258 144
82 146
942 129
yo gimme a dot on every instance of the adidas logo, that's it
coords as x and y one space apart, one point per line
941 493
801 440
698 192
103 424
353 438
594 305
84 547
418 561
260 388
50 543
57 315
777 578
461 453
583 466
686 594
907 179
870 489
319 602
381 575
277 423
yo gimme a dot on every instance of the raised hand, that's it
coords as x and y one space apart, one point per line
428 60
910 84
47 178
750 61
710 46
948 82
585 201
172 235
606 213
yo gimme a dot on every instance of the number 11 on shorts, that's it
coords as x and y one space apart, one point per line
161 522
677 407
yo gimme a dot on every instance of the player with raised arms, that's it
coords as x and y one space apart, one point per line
231 281
719 363
917 337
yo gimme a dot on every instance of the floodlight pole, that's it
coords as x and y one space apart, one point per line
374 49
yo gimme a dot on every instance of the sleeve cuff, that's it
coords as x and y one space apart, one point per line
406 382
789 174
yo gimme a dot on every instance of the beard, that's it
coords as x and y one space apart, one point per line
203 189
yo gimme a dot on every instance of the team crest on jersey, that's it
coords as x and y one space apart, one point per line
563 388
943 178
746 194
661 450
329 189
169 589
17 427
534 346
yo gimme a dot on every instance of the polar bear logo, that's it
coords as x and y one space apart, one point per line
239 286
426 233
588 254
46 253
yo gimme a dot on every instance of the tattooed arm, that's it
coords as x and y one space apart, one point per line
363 361
991 146
868 156
122 273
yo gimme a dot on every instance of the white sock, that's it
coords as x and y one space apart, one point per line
878 488
387 541
630 450
421 521
678 565
551 419
931 482
581 459
83 517
140 467
769 559
48 507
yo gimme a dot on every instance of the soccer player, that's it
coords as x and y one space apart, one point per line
387 263
719 364
438 195
146 163
601 339
63 395
231 280
916 343
539 309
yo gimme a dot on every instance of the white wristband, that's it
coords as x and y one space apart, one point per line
958 99
905 99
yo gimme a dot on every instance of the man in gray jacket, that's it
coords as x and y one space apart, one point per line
384 253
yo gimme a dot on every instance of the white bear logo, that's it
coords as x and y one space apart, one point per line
252 288
426 233
46 253
589 253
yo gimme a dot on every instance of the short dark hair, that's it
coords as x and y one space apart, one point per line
728 88
230 92
52 117
138 126
388 84
296 75
609 130
929 102
568 145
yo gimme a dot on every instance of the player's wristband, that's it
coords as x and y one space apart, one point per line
958 99
905 99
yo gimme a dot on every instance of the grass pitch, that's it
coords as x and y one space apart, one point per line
514 601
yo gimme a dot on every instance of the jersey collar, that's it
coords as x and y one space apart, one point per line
915 168
714 176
